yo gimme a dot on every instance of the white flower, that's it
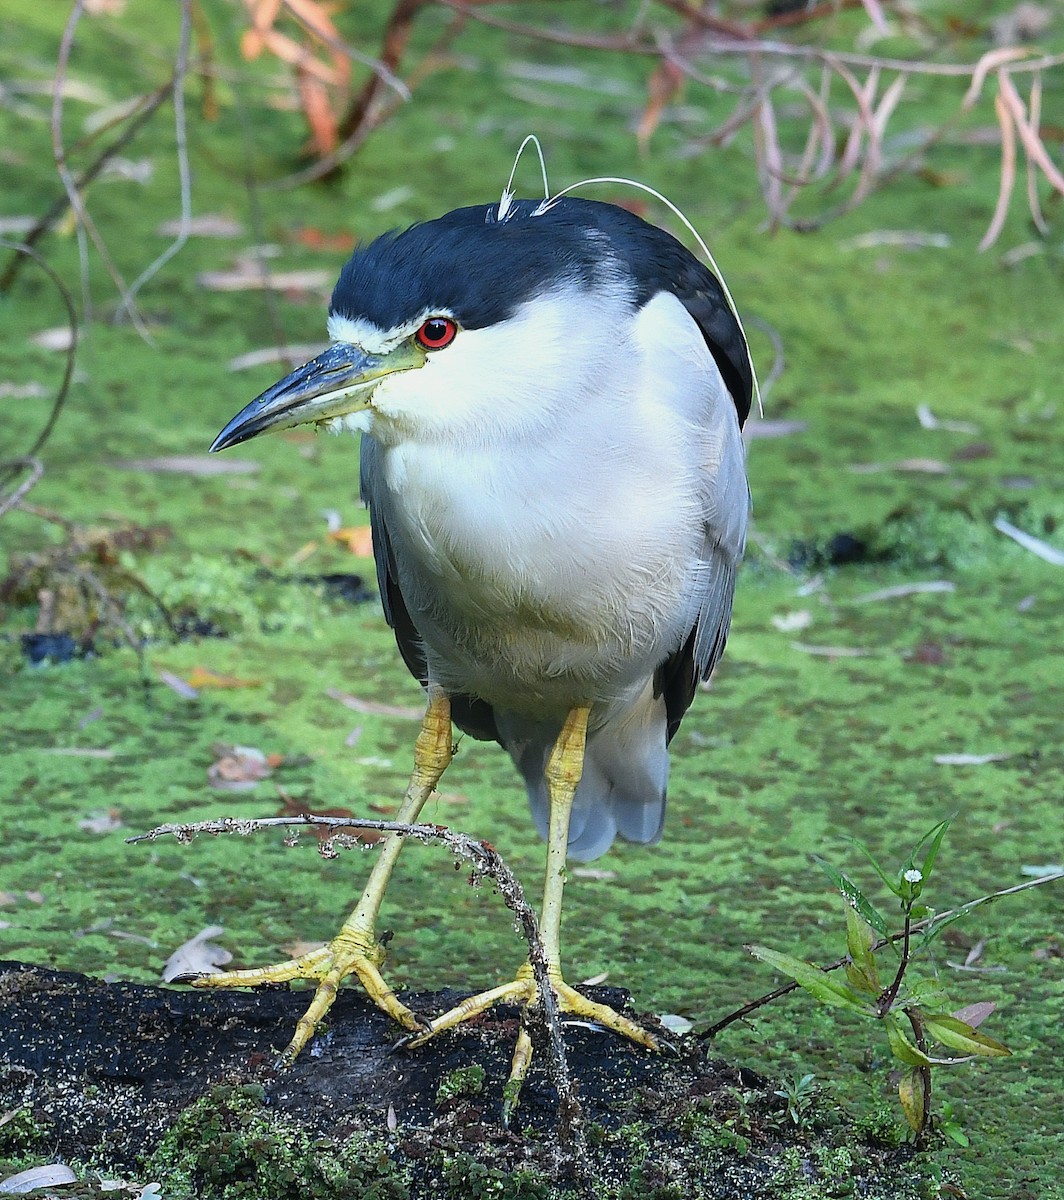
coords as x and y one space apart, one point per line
913 876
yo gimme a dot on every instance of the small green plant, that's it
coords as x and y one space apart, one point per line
799 1096
465 1081
913 1012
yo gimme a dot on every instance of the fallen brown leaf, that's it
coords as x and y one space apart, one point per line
831 651
374 708
317 239
901 590
35 1178
973 451
251 277
970 760
176 684
189 464
203 677
216 225
773 429
101 820
928 654
238 768
300 947
662 86
277 354
450 798
792 622
1029 542
59 338
919 466
79 751
296 806
197 956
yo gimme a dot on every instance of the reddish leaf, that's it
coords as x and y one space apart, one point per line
357 538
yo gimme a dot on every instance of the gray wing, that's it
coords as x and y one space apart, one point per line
725 496
469 713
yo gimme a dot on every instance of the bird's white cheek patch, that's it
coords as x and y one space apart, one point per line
357 331
356 422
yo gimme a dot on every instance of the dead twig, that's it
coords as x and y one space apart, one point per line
27 463
10 470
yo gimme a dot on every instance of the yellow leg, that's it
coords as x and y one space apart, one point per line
355 949
564 768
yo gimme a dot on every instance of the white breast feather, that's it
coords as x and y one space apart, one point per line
549 519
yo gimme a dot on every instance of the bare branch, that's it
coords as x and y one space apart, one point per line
27 463
10 469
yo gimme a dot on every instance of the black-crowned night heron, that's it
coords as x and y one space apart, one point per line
550 397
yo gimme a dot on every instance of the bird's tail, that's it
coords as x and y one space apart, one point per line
622 788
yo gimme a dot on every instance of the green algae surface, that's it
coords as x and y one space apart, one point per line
824 723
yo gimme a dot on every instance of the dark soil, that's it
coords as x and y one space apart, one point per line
180 1086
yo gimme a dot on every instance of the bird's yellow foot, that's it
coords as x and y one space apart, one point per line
351 952
523 991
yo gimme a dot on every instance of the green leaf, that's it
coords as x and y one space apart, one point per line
959 1035
940 926
860 939
876 867
815 981
861 970
927 993
956 1134
861 981
913 1096
900 1046
854 897
935 835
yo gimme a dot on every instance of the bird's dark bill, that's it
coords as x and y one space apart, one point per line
340 380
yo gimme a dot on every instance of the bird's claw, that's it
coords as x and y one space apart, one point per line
523 991
351 952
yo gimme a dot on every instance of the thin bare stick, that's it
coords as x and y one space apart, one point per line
85 223
7 471
637 42
184 173
35 468
396 35
375 116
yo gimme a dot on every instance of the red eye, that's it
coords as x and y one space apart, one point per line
436 333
